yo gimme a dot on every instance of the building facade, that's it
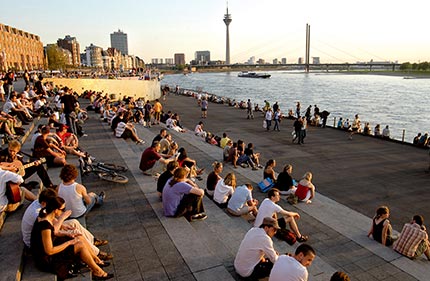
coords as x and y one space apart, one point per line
202 57
118 40
179 59
71 44
20 50
94 56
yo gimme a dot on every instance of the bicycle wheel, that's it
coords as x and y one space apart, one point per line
113 177
114 167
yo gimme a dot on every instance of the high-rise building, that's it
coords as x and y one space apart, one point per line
284 60
20 50
316 60
118 40
227 21
179 59
71 44
202 57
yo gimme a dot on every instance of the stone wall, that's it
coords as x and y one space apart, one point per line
149 90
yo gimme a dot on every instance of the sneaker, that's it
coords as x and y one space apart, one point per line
260 166
101 198
244 165
254 168
199 217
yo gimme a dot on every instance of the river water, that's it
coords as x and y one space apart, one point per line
387 100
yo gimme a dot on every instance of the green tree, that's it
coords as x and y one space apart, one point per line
56 58
405 66
423 66
180 67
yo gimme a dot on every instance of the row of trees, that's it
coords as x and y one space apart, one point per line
422 66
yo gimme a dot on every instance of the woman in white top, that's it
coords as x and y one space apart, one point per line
224 189
78 200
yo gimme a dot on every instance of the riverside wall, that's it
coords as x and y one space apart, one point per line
149 90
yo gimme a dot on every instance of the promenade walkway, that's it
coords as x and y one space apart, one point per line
352 178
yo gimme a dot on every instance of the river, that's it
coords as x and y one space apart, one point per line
379 99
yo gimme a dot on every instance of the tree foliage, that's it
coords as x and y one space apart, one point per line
56 58
422 66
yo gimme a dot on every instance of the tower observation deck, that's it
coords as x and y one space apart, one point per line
227 21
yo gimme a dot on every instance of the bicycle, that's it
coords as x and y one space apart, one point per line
105 171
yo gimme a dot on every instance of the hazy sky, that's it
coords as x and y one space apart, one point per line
341 31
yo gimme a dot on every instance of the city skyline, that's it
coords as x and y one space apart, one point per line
340 31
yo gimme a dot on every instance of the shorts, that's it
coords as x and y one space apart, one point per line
422 247
242 211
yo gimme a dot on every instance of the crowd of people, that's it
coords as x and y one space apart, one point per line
50 226
177 177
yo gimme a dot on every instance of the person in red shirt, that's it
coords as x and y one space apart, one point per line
152 162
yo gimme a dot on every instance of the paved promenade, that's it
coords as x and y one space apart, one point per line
352 178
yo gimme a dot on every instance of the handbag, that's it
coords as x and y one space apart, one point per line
264 124
266 184
287 236
292 199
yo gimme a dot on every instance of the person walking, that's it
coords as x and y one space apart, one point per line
268 118
249 109
277 119
204 107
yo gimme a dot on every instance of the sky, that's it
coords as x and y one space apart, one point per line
341 31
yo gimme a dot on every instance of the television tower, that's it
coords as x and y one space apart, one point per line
227 21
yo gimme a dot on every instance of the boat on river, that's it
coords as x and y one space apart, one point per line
247 74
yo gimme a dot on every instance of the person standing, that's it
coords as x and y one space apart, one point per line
298 108
386 133
249 109
293 268
308 113
298 130
8 83
147 114
204 107
157 111
268 118
68 104
277 119
275 106
26 77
